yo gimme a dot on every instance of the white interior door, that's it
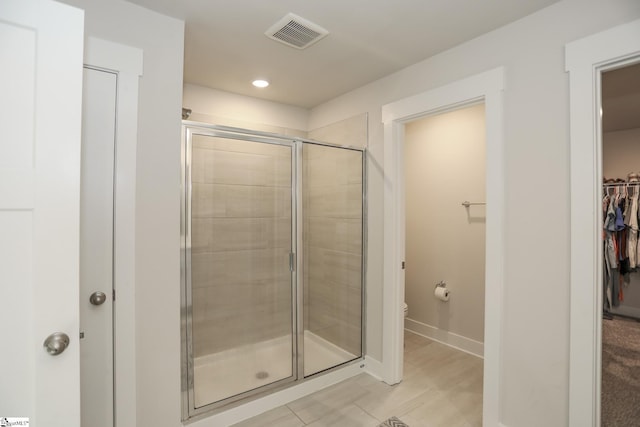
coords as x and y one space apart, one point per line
96 247
41 52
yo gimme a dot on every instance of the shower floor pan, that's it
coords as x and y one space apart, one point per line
231 372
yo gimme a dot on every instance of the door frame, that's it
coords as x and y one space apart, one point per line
486 87
585 59
126 62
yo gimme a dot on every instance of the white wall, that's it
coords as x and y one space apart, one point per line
535 353
444 159
157 198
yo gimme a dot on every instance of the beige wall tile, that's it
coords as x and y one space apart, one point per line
203 142
208 200
333 244
344 235
349 132
212 269
228 316
241 237
240 201
335 201
237 234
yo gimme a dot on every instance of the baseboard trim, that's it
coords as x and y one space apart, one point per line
373 367
459 342
624 310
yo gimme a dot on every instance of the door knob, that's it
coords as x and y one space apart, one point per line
56 343
97 298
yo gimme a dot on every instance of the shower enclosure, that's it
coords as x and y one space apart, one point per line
272 262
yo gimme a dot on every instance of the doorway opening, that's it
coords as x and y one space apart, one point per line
108 349
445 227
620 166
97 247
586 59
444 165
482 88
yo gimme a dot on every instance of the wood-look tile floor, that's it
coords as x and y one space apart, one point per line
442 387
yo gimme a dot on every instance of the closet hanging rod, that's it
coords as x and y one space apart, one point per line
618 184
467 203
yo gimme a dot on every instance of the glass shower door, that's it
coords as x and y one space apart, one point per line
240 287
332 211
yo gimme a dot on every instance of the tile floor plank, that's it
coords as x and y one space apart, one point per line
324 402
442 387
350 415
280 416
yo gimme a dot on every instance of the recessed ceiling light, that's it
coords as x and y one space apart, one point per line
260 83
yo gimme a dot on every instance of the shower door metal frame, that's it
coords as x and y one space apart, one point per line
300 259
190 128
188 397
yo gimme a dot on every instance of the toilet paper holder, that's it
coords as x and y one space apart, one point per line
441 284
441 292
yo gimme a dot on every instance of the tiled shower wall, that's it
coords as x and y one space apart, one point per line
332 201
241 239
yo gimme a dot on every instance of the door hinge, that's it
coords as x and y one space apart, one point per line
81 335
403 265
113 294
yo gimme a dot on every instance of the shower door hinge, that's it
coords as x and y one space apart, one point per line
292 262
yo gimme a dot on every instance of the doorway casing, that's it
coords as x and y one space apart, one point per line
126 62
585 60
486 87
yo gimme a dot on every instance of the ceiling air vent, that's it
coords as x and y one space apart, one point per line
295 31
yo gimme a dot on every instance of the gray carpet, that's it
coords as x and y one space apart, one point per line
620 372
393 422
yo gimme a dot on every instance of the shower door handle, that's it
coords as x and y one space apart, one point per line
292 262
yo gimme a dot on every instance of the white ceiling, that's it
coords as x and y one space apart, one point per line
225 45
